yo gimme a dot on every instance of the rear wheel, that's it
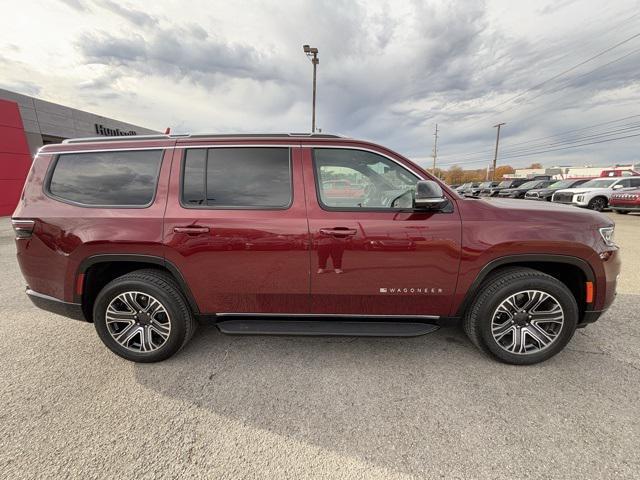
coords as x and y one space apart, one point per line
143 317
598 204
522 316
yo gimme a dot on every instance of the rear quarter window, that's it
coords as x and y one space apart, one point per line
118 179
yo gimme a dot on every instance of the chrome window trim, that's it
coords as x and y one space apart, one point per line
230 207
46 185
343 147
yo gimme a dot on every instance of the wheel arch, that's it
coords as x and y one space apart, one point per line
98 270
571 271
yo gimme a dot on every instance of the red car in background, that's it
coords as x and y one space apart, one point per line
626 201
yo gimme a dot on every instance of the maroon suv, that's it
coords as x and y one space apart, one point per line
144 236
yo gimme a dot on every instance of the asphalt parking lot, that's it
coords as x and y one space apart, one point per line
294 407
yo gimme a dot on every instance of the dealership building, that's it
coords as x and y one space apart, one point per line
27 123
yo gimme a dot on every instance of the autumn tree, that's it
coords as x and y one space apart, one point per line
503 170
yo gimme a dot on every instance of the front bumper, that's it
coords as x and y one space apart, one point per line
55 305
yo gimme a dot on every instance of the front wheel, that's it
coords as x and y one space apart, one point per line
522 316
143 317
598 204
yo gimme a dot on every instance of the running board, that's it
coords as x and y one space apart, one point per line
326 327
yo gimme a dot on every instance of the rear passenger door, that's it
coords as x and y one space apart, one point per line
236 227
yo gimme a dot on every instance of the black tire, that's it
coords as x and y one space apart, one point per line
164 289
598 204
621 212
500 286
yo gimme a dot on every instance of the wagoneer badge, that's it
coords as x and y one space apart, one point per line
424 291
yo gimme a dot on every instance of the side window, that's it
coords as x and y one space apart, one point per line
356 179
237 178
625 183
122 178
635 182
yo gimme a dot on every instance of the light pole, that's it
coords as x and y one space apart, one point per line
312 53
495 156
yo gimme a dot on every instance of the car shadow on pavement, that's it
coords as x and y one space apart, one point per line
402 403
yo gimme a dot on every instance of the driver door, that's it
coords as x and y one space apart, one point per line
371 254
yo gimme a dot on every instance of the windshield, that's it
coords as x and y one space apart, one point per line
505 184
562 184
485 184
529 184
599 183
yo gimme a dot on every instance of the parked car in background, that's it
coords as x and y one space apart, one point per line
625 201
466 188
594 194
546 193
519 192
148 236
483 186
493 191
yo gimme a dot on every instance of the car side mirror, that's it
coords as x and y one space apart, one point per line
429 196
617 187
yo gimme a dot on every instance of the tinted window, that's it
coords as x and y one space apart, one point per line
598 183
107 178
357 179
237 177
635 182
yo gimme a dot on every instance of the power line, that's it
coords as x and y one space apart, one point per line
564 72
507 157
533 140
560 141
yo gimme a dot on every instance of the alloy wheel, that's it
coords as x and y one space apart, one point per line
597 204
527 322
138 322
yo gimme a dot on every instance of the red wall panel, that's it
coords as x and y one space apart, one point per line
15 158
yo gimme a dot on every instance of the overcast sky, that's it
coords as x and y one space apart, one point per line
389 71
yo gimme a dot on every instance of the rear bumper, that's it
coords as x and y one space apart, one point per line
55 305
590 317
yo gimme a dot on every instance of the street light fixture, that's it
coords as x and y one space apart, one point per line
312 54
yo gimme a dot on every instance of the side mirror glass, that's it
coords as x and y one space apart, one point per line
616 187
429 196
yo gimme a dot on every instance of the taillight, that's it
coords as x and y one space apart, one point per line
23 228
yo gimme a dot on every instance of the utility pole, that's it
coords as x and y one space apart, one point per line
312 53
495 157
435 149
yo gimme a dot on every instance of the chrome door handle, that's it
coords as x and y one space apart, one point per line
191 230
339 231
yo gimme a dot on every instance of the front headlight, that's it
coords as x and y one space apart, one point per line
607 235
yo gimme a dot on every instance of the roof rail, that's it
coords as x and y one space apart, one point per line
161 136
122 138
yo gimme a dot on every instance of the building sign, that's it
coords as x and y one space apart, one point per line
112 132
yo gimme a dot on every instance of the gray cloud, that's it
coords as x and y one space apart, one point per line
78 5
183 53
137 17
387 72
